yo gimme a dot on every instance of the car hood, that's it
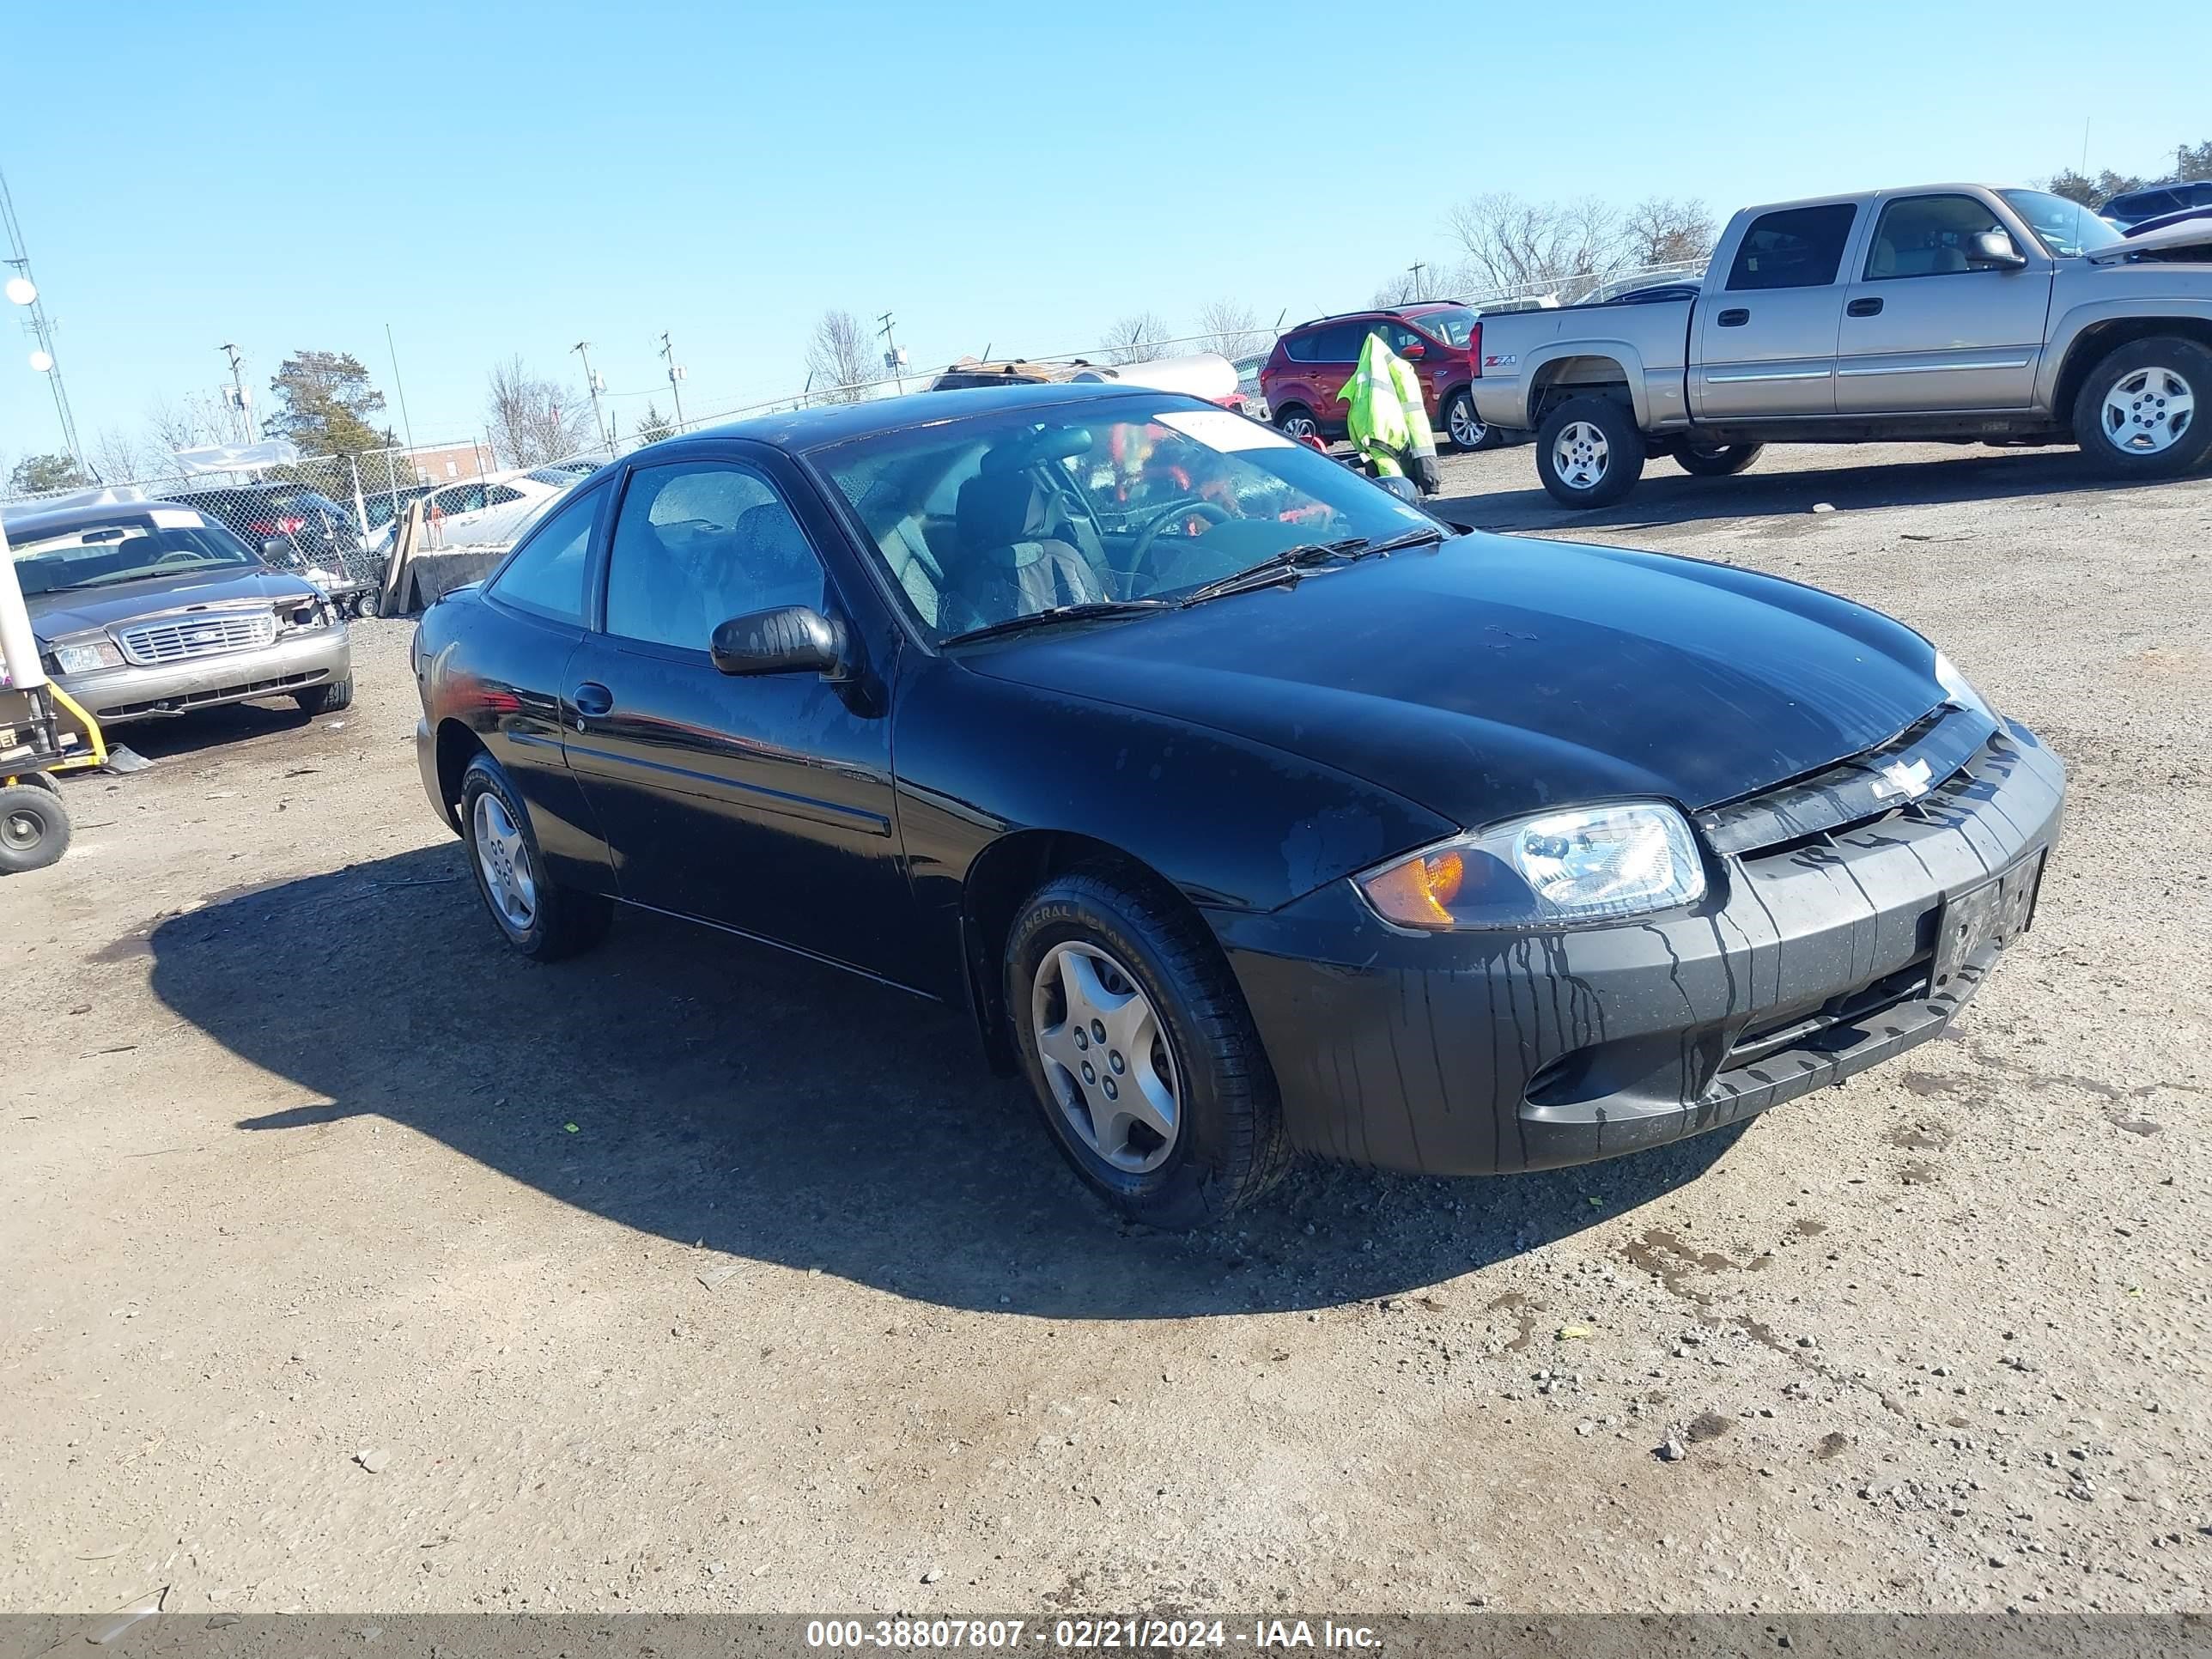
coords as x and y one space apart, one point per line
1491 675
77 610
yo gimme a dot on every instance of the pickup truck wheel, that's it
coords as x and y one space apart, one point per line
1294 421
2136 415
1467 430
1717 460
1589 452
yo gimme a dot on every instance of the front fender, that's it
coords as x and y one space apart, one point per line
2069 326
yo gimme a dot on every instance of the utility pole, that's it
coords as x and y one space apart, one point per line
1417 268
23 291
238 391
582 348
891 353
676 375
405 425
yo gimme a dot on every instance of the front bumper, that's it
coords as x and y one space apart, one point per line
1471 1053
292 664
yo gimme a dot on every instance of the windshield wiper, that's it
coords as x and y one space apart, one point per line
1058 613
1292 564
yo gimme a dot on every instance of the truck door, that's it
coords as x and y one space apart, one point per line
1766 342
1930 323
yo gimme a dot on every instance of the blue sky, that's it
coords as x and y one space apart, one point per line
493 178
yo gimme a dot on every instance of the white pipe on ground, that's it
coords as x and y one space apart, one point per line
19 651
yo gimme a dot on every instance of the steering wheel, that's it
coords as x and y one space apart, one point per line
1173 512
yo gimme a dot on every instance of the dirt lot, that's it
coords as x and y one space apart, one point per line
354 1267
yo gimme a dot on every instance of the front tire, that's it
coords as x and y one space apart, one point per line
540 918
1467 430
1140 1051
34 828
327 698
2136 415
1589 452
1717 460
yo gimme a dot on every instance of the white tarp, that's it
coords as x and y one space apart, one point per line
237 457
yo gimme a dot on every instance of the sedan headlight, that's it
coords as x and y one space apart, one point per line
1959 691
88 659
1593 864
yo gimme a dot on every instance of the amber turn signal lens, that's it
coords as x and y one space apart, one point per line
1418 893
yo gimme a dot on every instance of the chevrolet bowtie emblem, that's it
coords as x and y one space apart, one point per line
1897 778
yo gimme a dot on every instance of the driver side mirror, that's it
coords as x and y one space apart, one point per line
1995 249
792 639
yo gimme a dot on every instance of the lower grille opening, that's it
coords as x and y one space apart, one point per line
176 705
1834 1024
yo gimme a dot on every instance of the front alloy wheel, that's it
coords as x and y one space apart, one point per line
2136 414
2148 411
1106 1057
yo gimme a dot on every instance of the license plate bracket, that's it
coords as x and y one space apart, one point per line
1991 913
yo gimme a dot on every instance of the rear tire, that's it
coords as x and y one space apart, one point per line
540 918
1589 452
1717 460
2136 415
1299 424
1152 960
34 828
327 698
1465 428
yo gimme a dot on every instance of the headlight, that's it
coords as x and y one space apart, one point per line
297 617
88 659
1959 691
1593 864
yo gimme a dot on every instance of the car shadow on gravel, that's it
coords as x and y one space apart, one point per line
1667 496
186 736
723 1095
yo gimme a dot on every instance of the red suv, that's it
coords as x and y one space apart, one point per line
1442 340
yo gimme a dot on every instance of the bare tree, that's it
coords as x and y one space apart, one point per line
1512 243
1231 329
187 423
1136 338
1660 230
1404 289
841 359
115 457
534 420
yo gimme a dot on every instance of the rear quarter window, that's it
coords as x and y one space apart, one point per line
1797 247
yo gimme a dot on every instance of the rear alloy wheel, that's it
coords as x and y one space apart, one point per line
1467 429
1297 424
2136 415
539 918
1717 460
1589 452
1140 1051
34 828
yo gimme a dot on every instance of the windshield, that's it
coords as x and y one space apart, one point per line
2066 229
984 519
1454 327
175 542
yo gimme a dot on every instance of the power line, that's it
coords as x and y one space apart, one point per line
45 359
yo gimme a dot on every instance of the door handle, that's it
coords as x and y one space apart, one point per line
1864 308
592 698
1735 318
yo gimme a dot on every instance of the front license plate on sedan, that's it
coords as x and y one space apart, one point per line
1994 912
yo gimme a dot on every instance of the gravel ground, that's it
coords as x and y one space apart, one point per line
354 1267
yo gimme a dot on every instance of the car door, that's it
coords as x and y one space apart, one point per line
1929 324
759 804
1336 354
1766 342
519 669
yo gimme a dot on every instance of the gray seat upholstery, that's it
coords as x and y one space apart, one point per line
1009 565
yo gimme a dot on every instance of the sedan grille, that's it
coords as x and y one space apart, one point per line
181 638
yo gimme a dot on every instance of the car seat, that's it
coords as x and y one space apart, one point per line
1009 564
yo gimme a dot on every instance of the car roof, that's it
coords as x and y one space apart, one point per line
72 517
803 429
1413 309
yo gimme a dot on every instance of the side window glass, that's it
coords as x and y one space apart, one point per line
1299 348
1398 337
1798 248
500 495
698 543
546 574
1928 236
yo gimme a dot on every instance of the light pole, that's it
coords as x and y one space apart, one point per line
582 348
676 375
406 425
238 392
22 291
892 361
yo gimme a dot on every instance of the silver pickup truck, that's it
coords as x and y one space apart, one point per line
1953 312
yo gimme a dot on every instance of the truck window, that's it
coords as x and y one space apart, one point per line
1928 236
1797 247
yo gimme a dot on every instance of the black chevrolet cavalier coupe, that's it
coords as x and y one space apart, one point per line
1247 808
